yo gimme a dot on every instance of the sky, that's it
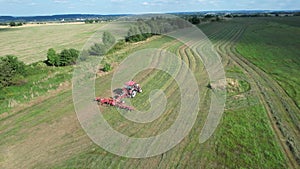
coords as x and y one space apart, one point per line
50 7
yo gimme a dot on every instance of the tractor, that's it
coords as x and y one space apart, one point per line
129 91
132 88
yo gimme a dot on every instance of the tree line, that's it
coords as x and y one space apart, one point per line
145 28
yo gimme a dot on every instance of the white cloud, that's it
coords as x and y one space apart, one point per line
160 2
11 1
145 3
60 1
117 0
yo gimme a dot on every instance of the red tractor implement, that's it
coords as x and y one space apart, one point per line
108 101
129 91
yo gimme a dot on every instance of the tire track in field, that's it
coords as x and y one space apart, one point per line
269 93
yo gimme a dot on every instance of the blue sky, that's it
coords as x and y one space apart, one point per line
46 7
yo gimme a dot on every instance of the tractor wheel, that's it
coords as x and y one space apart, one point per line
133 94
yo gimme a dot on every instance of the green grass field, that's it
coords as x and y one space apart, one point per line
276 52
259 123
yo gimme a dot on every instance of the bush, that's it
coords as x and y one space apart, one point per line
18 80
119 45
68 57
64 58
138 37
107 67
108 39
11 69
52 57
98 49
12 24
84 55
89 21
194 20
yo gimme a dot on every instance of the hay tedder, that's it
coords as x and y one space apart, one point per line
129 91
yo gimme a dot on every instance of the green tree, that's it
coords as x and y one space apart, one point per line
107 67
166 27
64 58
154 26
133 30
10 68
144 28
135 35
84 55
12 24
68 57
89 21
108 39
74 55
53 58
98 49
195 20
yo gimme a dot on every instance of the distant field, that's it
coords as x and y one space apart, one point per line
30 43
259 128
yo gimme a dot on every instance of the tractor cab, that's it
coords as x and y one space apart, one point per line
132 88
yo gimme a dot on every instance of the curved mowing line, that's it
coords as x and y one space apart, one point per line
124 127
178 154
144 128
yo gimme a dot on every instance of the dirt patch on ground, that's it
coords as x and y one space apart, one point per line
237 87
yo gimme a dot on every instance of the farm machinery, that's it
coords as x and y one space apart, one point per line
129 91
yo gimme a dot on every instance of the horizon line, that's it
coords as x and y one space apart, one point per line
228 10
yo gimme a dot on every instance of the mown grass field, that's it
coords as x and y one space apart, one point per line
30 43
48 135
